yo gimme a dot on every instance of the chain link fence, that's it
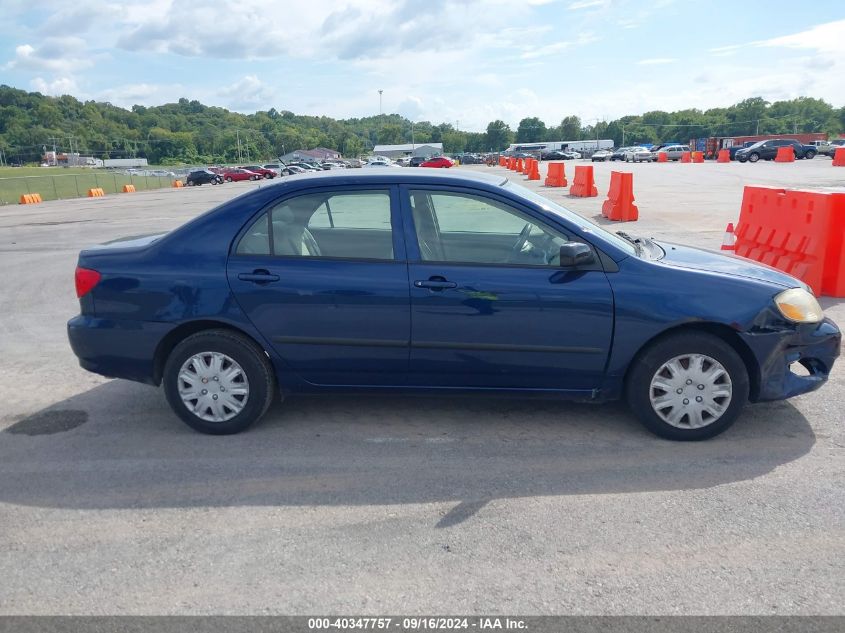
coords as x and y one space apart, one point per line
65 186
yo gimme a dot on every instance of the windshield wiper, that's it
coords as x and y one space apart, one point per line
636 241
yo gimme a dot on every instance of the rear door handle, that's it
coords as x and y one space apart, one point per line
435 284
259 276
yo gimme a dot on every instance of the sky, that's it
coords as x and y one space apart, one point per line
465 62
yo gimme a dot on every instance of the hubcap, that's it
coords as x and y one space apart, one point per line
213 386
691 391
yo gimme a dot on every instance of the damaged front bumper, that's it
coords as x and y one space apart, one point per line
795 359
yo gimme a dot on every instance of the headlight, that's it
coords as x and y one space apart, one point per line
799 305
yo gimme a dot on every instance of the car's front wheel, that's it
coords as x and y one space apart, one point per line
754 157
218 381
810 155
688 386
228 179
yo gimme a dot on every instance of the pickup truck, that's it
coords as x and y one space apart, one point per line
828 148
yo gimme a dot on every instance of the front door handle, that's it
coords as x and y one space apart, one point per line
259 276
435 283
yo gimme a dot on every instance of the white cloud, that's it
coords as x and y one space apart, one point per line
825 38
544 51
56 87
62 55
249 92
587 4
655 61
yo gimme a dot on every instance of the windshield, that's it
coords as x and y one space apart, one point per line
585 225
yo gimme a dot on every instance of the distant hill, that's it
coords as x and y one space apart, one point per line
190 132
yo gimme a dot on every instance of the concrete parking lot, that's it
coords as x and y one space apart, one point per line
110 505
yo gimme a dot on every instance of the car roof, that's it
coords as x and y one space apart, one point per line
329 178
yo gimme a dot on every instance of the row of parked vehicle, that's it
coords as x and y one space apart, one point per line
748 152
219 175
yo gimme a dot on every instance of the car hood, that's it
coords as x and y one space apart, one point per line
699 259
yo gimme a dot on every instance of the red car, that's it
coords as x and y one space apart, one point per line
257 169
237 174
439 161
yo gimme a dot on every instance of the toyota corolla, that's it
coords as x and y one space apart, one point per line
440 283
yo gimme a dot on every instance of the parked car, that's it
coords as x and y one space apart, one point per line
767 150
673 152
619 154
638 155
305 166
560 155
276 167
438 161
296 169
269 174
733 150
236 174
602 155
440 282
203 177
416 161
161 173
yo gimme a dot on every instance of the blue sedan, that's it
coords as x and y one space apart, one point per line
440 283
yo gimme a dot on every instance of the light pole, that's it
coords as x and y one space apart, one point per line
379 102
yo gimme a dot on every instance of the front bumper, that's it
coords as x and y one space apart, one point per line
815 347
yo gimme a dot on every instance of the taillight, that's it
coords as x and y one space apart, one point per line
86 279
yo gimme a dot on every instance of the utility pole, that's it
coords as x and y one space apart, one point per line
238 134
379 102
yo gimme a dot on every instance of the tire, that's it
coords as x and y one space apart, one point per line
228 179
254 365
268 176
753 157
810 155
190 183
649 362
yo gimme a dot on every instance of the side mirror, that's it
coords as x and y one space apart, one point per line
574 254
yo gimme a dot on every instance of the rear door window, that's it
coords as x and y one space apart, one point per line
347 224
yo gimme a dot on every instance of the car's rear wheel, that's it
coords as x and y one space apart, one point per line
753 158
688 386
228 179
810 155
218 381
190 183
268 176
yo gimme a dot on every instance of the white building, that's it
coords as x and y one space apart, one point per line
572 146
425 150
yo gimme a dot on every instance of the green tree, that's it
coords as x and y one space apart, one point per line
390 134
531 130
499 135
570 129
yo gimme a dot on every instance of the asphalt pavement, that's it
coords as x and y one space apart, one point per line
110 505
